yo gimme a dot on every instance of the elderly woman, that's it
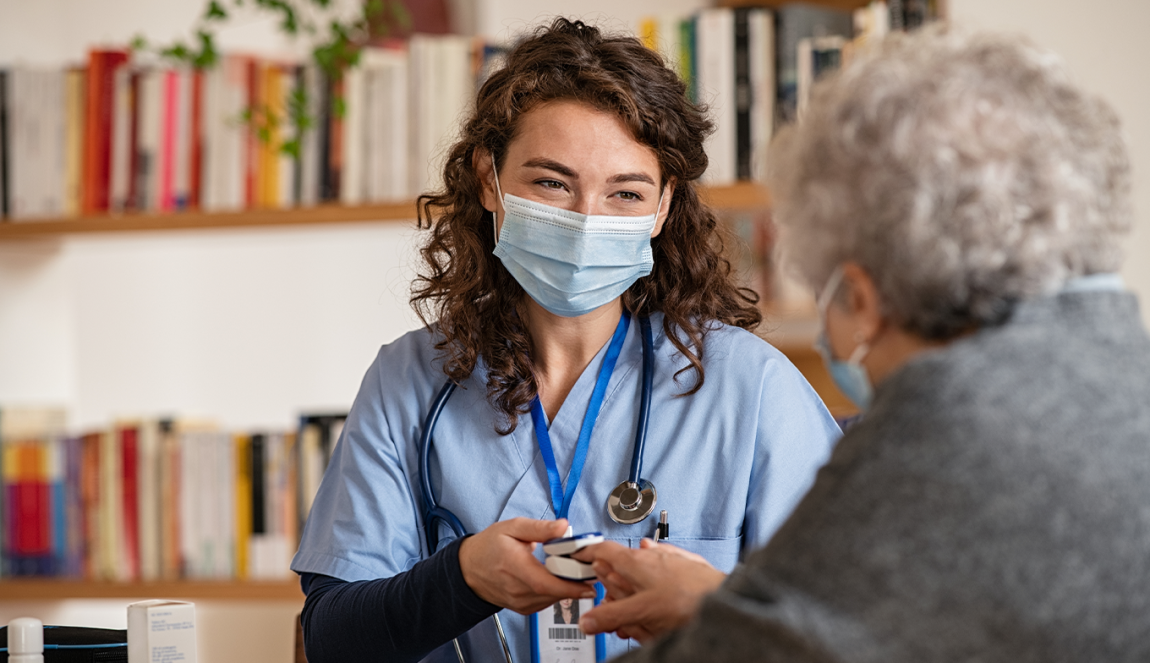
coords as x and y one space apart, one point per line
958 205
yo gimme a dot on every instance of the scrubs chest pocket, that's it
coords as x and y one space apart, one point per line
722 553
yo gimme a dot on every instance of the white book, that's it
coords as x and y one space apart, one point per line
373 163
422 80
311 467
121 140
455 100
148 498
285 196
352 180
189 500
210 184
161 631
150 128
182 154
761 33
21 144
396 130
667 36
55 139
387 126
309 145
715 49
225 515
230 117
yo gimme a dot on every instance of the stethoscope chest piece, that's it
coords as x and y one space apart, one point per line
631 502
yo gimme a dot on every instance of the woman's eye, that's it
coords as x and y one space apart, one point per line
629 195
550 184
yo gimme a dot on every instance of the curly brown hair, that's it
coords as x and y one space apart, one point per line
478 304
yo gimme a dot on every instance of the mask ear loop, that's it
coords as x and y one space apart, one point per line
659 209
494 220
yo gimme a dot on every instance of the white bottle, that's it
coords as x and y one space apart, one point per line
25 640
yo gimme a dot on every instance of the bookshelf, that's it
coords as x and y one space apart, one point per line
744 195
50 589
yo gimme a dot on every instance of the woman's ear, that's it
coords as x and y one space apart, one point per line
485 171
863 301
664 207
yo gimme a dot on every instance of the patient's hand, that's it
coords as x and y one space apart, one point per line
650 591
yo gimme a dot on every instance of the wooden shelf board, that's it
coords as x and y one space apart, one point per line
745 195
50 589
192 220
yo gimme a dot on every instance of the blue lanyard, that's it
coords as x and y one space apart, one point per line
560 499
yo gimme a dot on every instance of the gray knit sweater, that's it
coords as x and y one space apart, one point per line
993 506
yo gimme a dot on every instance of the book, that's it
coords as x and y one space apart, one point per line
149 514
742 96
5 97
98 134
761 28
715 51
149 134
353 127
121 141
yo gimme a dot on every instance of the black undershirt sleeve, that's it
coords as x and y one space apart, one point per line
401 618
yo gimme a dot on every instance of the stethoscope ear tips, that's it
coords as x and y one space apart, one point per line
631 502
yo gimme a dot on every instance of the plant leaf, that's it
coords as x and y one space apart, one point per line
215 12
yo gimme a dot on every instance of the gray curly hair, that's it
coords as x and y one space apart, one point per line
964 172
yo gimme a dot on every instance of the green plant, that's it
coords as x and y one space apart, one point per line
336 44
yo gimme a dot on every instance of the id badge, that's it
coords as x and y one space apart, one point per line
557 638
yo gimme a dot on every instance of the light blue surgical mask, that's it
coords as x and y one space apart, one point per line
572 263
849 376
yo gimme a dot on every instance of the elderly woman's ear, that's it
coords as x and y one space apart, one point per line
859 304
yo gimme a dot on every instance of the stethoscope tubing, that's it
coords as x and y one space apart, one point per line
644 401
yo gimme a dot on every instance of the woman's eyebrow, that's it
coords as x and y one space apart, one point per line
631 177
551 165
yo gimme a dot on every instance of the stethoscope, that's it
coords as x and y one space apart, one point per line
631 501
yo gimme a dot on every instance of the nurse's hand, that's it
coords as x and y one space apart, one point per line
652 590
500 567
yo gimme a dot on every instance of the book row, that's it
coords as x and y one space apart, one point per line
124 134
754 67
121 134
159 500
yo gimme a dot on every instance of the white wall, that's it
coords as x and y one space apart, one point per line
1103 45
252 325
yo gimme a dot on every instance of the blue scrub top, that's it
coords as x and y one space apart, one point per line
729 462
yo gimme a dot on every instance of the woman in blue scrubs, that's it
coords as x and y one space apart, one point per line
570 216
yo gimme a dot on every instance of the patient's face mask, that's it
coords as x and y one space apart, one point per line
849 376
572 263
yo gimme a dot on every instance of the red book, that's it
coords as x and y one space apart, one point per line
168 123
197 144
252 147
29 510
97 172
129 463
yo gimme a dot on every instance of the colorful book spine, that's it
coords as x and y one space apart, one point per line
130 516
102 68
